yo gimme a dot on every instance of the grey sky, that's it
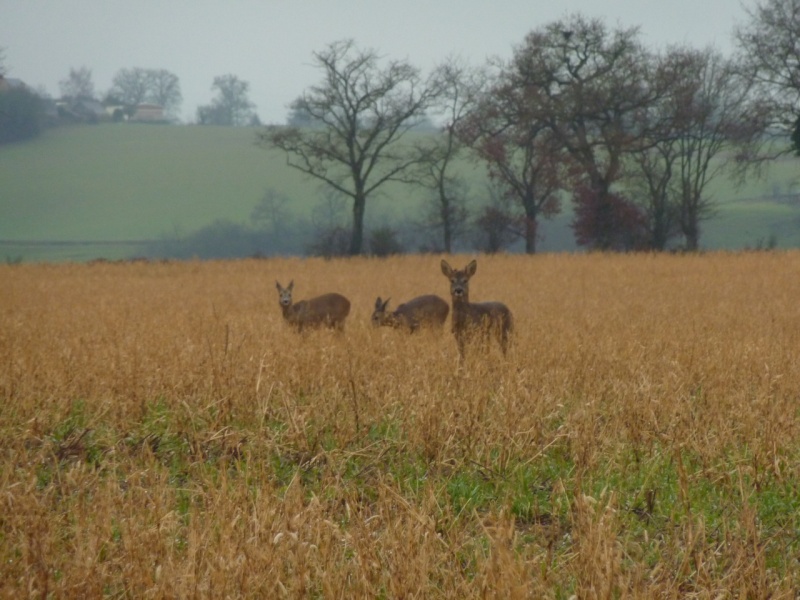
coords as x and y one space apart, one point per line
269 42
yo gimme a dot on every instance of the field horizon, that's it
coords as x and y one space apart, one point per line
106 191
166 434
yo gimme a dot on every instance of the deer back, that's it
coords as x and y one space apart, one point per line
423 311
483 315
328 309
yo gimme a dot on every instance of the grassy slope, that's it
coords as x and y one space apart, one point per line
117 182
120 182
756 210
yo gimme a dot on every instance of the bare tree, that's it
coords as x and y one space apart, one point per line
496 226
459 89
231 106
271 211
652 182
521 153
445 213
78 84
363 111
331 236
652 173
130 86
164 89
769 47
717 128
137 85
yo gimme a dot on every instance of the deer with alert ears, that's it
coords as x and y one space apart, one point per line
423 311
327 310
480 318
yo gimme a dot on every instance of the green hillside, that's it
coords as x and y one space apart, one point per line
91 191
132 182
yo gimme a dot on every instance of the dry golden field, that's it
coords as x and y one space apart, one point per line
164 434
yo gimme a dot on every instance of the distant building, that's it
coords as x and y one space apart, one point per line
148 112
86 110
116 112
10 83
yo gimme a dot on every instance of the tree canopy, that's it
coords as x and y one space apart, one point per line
769 53
363 109
231 106
136 85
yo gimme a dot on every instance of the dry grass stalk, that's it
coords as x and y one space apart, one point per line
165 434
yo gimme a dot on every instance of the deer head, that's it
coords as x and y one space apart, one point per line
459 280
285 294
379 315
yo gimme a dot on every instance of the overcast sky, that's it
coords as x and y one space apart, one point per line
269 43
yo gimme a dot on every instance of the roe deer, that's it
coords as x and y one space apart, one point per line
469 318
328 310
423 311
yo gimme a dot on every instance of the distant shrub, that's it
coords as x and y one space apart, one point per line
608 223
21 115
384 241
330 242
495 229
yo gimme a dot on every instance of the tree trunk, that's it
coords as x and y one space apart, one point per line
447 222
660 228
692 234
531 225
357 235
605 217
689 224
446 214
531 219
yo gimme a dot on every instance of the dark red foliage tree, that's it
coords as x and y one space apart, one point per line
520 153
608 223
591 86
497 229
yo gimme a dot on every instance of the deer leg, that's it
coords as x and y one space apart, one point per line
461 345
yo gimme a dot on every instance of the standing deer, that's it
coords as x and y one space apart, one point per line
328 310
423 311
469 319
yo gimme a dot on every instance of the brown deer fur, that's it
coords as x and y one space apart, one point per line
327 310
422 311
483 318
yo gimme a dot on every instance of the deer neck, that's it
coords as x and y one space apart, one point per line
460 302
400 321
291 311
461 308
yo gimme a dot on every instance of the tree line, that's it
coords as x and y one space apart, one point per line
581 111
24 112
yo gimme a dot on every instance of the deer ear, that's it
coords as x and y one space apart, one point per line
471 268
446 268
378 303
277 285
291 285
385 304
